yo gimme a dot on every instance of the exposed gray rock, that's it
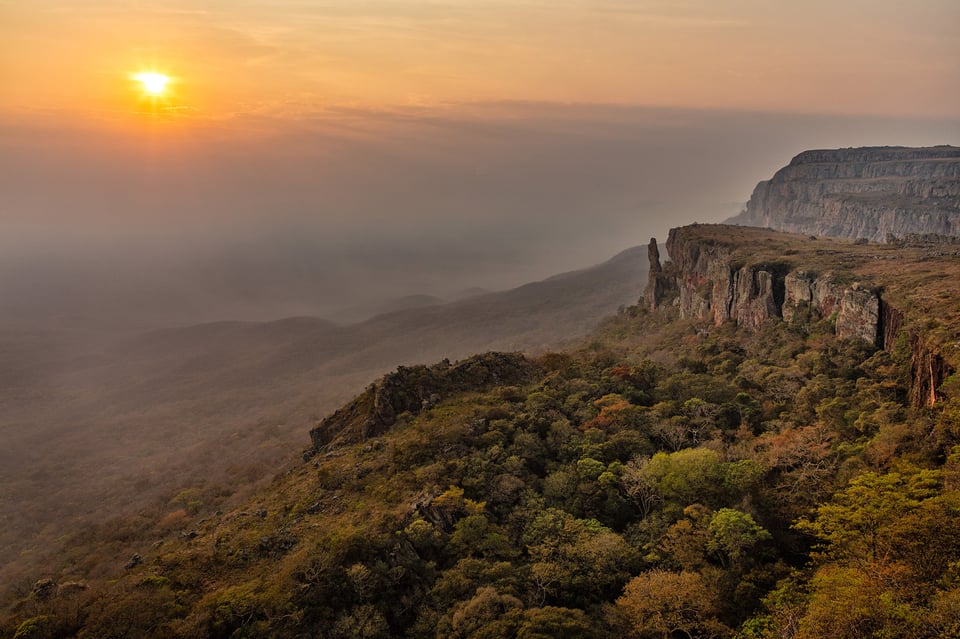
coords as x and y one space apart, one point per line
754 301
711 288
869 193
859 315
797 293
661 286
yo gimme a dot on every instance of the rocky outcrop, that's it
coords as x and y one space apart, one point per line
871 193
414 389
711 286
661 285
797 291
859 315
710 283
755 297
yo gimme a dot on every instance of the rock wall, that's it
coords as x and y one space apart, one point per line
708 285
711 286
928 370
869 193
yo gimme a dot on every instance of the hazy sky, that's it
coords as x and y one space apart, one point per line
393 146
285 56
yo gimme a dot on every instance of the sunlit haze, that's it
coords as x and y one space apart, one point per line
153 83
287 56
461 143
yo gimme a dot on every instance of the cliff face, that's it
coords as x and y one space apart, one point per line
869 193
711 286
707 281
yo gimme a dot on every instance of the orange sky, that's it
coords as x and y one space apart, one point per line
423 146
288 57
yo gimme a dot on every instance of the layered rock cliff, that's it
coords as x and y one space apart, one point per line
720 274
871 193
712 285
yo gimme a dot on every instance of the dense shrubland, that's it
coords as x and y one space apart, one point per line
665 481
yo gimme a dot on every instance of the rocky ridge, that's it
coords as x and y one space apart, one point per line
714 281
874 193
414 389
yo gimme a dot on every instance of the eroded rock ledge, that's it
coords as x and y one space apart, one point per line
708 281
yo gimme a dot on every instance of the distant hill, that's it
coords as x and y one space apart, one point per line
473 291
92 425
867 193
363 312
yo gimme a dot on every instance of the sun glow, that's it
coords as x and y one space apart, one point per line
154 84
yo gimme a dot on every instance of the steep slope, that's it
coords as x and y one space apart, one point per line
681 473
869 193
92 427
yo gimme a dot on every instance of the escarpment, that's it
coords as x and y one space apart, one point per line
749 277
873 193
712 286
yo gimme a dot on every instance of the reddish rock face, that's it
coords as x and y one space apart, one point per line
826 295
702 276
928 371
890 323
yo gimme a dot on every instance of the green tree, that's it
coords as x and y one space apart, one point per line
686 476
576 561
475 536
856 604
485 607
857 523
733 532
686 541
361 622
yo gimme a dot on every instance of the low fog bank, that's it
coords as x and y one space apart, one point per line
335 214
144 283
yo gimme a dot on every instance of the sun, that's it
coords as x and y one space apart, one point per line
154 84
